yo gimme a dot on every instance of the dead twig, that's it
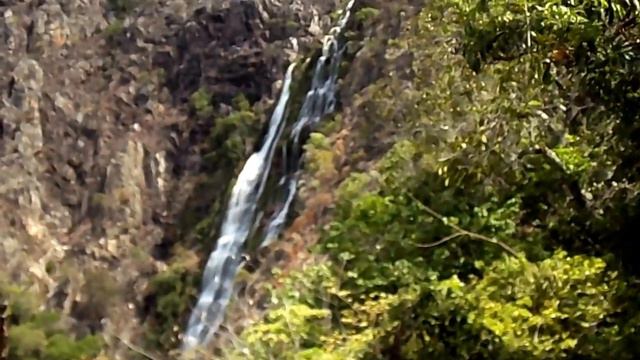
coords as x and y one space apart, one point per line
460 232
440 242
136 349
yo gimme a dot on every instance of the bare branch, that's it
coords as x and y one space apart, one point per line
440 242
138 350
461 231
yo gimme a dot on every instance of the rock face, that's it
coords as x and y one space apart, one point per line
224 50
96 157
238 49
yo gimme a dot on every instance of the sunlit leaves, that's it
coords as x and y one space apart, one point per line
320 157
35 334
546 308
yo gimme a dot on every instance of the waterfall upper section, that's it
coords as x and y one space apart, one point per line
319 101
243 207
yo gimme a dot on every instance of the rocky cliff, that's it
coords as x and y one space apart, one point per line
105 112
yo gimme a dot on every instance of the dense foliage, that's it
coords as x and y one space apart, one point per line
39 334
500 224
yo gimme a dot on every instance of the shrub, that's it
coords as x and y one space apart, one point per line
35 334
366 14
201 102
122 7
172 293
115 29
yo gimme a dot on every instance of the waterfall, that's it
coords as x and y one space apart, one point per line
224 261
319 101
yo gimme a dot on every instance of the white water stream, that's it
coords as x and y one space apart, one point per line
319 101
240 217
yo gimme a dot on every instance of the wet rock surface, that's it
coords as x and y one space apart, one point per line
97 153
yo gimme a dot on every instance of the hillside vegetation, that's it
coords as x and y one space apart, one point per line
499 223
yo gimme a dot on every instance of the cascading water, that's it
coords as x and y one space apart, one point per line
319 101
224 261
